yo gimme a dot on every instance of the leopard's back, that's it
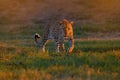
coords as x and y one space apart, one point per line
54 32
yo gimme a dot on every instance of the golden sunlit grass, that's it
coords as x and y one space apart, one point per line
25 75
91 59
86 62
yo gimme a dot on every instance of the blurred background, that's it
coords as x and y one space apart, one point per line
88 15
93 11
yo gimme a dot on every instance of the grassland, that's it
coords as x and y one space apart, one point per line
90 60
96 55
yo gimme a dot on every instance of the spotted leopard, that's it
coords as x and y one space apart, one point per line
58 32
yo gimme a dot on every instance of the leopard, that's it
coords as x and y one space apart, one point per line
59 32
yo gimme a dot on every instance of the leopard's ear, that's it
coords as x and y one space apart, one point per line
65 21
72 22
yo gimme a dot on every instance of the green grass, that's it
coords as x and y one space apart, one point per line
90 59
98 46
84 29
24 31
97 60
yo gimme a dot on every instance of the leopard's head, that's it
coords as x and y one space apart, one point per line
67 26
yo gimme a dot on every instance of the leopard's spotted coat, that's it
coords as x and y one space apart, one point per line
59 31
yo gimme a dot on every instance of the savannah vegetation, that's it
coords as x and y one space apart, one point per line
96 55
91 59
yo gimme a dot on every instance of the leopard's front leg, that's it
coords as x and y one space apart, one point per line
62 47
71 45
